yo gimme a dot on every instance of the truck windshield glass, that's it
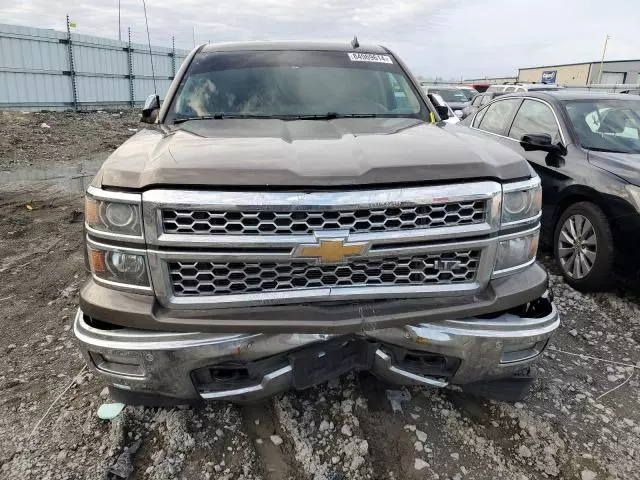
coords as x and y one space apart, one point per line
292 84
606 125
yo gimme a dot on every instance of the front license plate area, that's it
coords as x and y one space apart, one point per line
321 363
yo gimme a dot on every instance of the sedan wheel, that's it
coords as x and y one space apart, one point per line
584 246
577 246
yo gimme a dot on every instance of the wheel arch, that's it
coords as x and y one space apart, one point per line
579 193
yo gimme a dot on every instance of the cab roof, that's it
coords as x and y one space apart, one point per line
293 45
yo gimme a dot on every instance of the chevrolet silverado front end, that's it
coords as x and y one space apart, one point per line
236 255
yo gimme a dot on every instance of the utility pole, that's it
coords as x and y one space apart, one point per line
119 29
193 32
72 71
604 50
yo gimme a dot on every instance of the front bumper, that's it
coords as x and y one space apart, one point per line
155 367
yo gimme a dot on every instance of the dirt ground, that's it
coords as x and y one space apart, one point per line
40 138
581 420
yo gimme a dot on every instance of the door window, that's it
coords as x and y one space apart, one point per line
478 119
534 117
497 116
486 99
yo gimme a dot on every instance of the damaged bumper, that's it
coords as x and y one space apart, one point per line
154 367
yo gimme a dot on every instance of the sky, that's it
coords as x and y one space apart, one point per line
450 39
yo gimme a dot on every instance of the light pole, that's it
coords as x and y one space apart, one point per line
119 30
604 50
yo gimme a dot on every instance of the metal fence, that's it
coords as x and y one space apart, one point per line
47 69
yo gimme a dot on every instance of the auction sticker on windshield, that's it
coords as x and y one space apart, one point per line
369 57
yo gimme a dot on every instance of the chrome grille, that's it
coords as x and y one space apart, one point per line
299 222
204 278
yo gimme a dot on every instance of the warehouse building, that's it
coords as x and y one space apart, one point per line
621 71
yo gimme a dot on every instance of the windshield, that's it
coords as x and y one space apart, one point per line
450 95
469 93
293 84
606 125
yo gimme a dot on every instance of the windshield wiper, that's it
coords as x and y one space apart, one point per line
324 116
333 115
221 116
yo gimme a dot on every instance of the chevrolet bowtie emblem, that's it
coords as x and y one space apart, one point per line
330 251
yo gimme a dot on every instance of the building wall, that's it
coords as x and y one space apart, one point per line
577 74
36 71
629 69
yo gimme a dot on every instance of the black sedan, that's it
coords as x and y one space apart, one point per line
585 147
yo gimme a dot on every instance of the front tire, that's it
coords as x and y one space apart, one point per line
583 247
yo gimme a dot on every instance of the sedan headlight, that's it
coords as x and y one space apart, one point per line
117 215
123 266
521 201
516 252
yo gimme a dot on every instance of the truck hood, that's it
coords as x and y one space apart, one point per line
623 165
307 153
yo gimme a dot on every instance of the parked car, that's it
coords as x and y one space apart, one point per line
496 88
469 92
532 87
480 87
274 228
478 101
523 87
586 148
454 97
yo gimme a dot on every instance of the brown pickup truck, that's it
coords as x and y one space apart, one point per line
298 210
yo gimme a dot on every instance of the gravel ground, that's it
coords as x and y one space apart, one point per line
581 420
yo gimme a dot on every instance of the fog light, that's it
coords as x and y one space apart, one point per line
118 364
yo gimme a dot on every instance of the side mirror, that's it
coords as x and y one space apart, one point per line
542 142
443 111
150 109
441 106
458 113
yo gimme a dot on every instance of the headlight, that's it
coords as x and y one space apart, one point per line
122 266
634 193
113 217
521 201
516 252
